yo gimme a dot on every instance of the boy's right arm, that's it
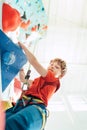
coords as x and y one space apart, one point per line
33 61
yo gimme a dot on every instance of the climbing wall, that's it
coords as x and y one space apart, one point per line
12 57
34 11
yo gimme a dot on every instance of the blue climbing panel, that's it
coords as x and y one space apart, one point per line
12 59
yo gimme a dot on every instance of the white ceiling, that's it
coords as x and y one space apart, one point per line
67 11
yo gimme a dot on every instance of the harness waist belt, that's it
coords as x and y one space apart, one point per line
32 99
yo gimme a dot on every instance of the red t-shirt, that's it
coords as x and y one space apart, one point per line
44 87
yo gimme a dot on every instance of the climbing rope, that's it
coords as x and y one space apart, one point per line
27 76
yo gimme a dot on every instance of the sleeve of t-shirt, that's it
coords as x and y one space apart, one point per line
50 77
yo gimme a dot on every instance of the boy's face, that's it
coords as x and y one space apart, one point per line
55 68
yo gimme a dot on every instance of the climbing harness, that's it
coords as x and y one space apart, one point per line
32 99
26 100
35 102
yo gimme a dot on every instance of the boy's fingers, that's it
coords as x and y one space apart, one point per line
21 69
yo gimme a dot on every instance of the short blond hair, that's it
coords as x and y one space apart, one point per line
62 64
